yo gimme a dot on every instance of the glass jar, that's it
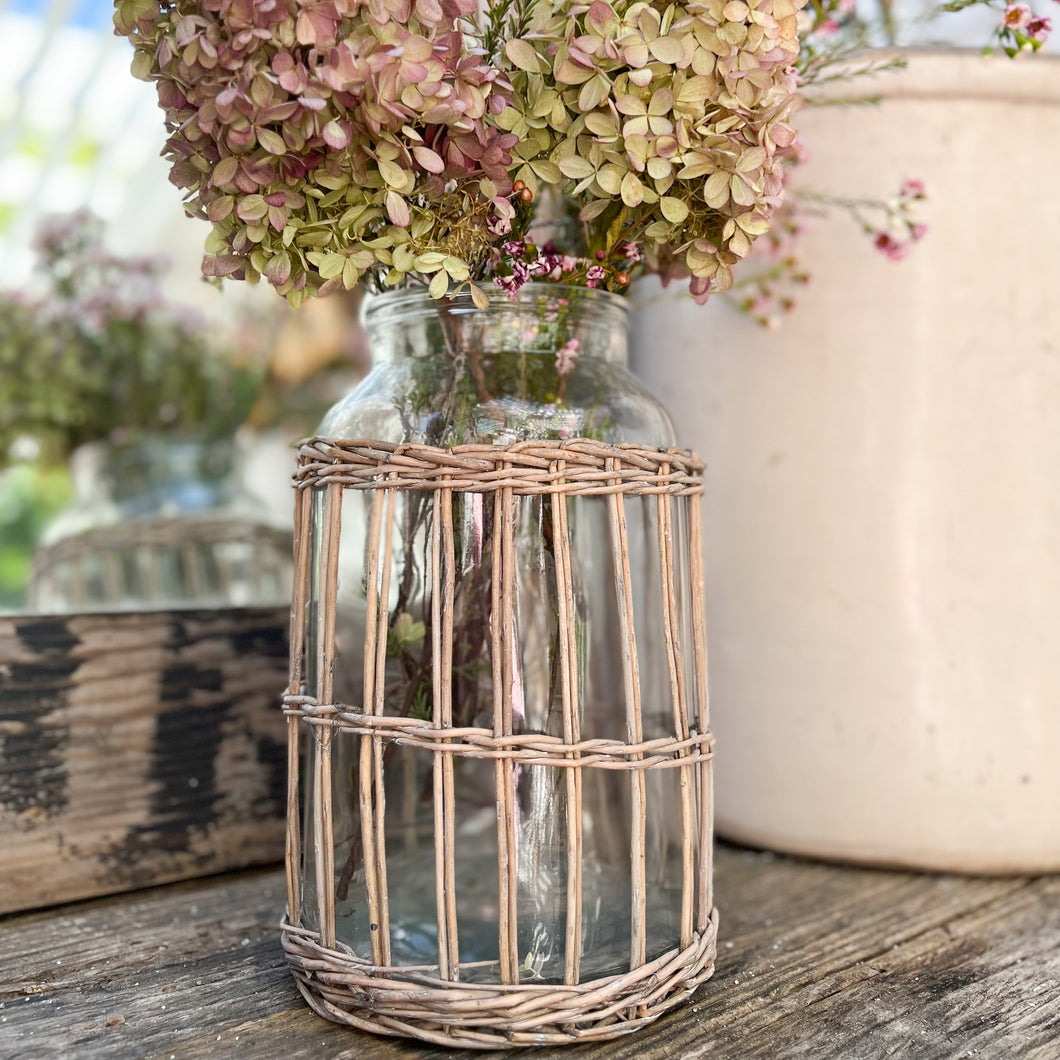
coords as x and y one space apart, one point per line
159 523
549 363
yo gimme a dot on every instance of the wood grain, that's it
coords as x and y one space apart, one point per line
138 748
815 962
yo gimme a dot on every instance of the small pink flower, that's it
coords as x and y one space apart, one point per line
917 232
508 284
596 273
912 189
887 244
566 355
1016 16
1038 29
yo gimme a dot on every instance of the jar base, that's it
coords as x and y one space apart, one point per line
410 1003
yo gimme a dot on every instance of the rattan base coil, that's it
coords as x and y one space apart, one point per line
416 1004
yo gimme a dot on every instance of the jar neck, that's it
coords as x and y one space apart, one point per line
545 319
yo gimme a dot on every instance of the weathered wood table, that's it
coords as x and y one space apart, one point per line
814 961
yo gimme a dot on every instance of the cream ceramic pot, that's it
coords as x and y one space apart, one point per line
883 506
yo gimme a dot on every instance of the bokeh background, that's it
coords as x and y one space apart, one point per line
79 133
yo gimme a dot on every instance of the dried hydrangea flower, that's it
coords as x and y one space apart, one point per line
327 138
667 121
330 140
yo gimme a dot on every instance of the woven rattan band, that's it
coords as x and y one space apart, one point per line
413 1002
528 748
577 468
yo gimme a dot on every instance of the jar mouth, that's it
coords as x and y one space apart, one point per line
411 303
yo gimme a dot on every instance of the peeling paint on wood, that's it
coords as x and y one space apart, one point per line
137 749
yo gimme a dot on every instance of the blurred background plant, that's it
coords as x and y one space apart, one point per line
92 350
98 352
30 497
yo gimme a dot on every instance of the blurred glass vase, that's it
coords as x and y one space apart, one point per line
161 523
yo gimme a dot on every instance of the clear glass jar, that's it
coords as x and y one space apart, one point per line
159 523
548 364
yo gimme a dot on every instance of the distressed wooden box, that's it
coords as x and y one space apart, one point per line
138 748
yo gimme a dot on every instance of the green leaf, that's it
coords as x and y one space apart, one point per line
273 142
593 93
590 211
610 180
141 66
549 172
752 224
331 265
457 269
674 210
350 275
392 173
716 189
667 49
522 55
225 171
574 167
439 285
632 190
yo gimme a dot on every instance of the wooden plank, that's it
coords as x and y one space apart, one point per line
138 748
815 962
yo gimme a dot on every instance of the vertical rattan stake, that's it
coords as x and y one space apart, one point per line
366 770
299 596
699 654
322 823
671 634
634 730
568 650
443 561
375 708
503 628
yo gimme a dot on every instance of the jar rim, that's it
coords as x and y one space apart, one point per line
416 301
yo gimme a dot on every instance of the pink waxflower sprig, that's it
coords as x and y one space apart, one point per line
331 142
1022 30
768 288
520 261
1019 28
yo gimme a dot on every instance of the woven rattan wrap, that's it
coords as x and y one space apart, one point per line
432 1003
576 468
